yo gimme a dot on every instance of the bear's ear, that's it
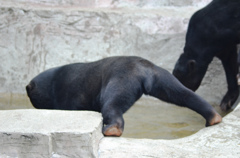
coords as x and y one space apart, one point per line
191 65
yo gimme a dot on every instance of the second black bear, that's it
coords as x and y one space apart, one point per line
111 86
213 31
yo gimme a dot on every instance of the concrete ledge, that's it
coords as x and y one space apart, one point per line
218 141
77 134
46 133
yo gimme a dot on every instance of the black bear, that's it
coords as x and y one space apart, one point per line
111 86
213 31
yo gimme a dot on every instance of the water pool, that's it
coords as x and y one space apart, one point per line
148 117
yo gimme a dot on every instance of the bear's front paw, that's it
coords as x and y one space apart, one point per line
112 130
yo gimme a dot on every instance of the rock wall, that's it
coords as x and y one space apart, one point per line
37 35
109 3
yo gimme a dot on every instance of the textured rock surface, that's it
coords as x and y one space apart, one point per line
67 134
219 141
43 133
109 3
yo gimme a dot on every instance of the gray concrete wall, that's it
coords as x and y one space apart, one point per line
37 35
109 3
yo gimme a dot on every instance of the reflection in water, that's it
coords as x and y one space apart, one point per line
148 118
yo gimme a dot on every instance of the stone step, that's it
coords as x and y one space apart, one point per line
49 133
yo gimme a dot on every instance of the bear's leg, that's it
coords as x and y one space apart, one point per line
113 123
116 98
231 69
172 91
112 110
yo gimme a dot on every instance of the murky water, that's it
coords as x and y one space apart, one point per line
151 118
14 101
148 118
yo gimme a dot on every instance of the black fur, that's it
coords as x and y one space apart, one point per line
238 60
111 86
213 31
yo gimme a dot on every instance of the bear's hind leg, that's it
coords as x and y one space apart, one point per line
172 91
